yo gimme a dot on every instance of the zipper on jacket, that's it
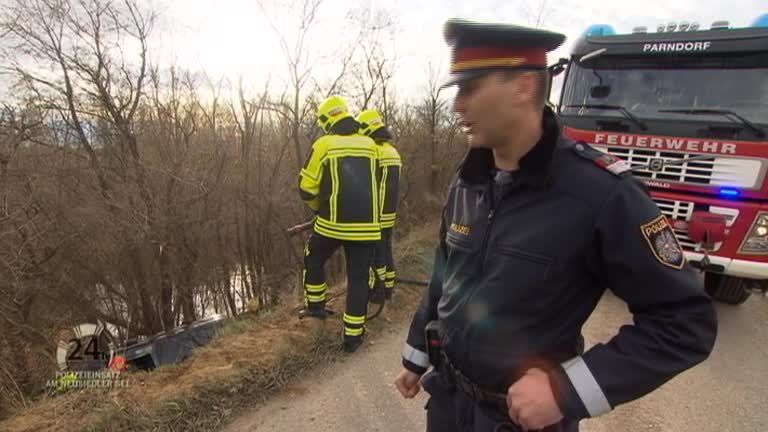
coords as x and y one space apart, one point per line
489 225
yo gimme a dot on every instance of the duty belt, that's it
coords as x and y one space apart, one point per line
475 392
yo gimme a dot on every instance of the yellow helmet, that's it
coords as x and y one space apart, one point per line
331 111
370 121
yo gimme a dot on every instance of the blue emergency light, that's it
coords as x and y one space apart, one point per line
599 30
761 21
729 193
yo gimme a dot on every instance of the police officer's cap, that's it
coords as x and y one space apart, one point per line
478 48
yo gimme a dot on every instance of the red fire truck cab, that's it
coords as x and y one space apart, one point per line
688 109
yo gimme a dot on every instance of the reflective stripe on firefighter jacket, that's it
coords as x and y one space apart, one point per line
520 266
390 166
338 182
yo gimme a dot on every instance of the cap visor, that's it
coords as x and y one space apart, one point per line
459 77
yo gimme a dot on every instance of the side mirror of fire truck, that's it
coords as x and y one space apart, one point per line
557 68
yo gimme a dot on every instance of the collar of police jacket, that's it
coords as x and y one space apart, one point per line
478 167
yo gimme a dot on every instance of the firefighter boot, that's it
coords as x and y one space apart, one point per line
358 256
316 310
378 293
377 280
352 343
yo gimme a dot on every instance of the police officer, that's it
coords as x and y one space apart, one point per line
390 164
338 182
534 229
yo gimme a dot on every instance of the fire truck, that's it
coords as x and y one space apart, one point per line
687 108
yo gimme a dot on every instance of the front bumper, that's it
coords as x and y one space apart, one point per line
732 267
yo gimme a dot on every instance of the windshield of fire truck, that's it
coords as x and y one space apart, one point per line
645 85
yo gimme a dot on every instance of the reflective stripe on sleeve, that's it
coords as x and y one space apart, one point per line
587 387
415 356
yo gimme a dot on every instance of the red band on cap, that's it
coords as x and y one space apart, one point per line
485 57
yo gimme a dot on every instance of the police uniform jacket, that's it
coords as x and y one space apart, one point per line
520 267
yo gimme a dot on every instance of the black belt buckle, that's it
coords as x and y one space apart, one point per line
472 390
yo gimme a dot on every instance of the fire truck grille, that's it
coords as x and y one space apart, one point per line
720 171
696 172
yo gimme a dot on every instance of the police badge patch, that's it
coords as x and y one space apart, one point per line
664 245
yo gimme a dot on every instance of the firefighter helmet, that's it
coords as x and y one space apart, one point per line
331 111
370 121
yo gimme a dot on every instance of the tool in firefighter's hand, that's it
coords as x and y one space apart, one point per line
300 227
708 229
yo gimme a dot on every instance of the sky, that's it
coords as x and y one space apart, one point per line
234 38
237 39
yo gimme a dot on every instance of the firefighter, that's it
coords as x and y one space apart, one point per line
390 163
338 182
535 227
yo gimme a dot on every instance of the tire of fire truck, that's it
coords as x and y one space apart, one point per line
727 289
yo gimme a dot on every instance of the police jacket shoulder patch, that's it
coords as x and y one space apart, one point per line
663 243
608 162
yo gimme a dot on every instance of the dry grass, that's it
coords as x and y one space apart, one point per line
253 357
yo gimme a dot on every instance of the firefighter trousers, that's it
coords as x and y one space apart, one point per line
359 257
384 263
451 410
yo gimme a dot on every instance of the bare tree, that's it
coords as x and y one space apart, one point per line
538 12
299 61
249 118
92 81
91 78
432 109
373 70
15 128
24 253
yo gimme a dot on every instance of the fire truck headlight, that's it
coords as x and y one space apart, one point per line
757 241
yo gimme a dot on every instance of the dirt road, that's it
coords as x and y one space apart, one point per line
726 393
